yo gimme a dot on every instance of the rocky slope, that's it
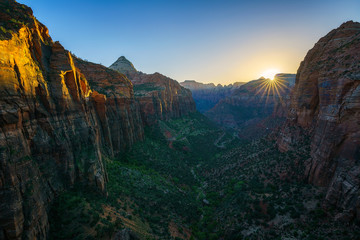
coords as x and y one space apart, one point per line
56 117
325 104
206 96
160 97
249 106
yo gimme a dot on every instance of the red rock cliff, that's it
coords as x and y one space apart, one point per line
56 117
325 104
116 107
159 97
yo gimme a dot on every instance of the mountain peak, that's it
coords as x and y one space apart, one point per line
350 24
122 58
123 65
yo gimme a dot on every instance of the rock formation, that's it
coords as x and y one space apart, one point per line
116 107
57 114
325 105
160 97
124 66
194 85
252 103
206 96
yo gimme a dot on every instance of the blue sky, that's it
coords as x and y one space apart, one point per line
206 40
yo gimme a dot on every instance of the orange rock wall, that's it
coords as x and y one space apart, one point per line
56 119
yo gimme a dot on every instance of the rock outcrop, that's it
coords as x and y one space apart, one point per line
325 105
206 96
115 104
124 66
56 117
250 106
160 97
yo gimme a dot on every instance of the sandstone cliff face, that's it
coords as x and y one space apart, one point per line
159 97
325 104
53 122
116 107
206 96
252 103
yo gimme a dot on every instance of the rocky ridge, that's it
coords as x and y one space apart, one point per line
159 97
325 105
206 96
193 85
249 107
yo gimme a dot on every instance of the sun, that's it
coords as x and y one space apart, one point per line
270 88
270 74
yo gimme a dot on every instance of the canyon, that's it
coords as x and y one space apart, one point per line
95 152
58 115
206 96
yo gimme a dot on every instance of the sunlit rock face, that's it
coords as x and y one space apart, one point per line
249 107
117 110
206 96
325 104
56 116
159 97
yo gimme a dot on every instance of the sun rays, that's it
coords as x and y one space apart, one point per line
271 88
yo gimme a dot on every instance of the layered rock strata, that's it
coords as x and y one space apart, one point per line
159 97
325 104
56 117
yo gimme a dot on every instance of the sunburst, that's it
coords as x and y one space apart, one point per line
271 88
270 73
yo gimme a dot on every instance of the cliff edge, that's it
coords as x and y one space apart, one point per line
325 105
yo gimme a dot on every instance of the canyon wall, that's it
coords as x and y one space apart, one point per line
116 107
325 105
159 97
57 115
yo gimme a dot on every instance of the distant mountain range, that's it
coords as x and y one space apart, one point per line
244 104
248 108
206 96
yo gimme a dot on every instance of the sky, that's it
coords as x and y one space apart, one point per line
219 41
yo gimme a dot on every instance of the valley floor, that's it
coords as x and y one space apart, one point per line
190 179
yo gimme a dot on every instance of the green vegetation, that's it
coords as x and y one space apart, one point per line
189 177
148 188
141 89
17 18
